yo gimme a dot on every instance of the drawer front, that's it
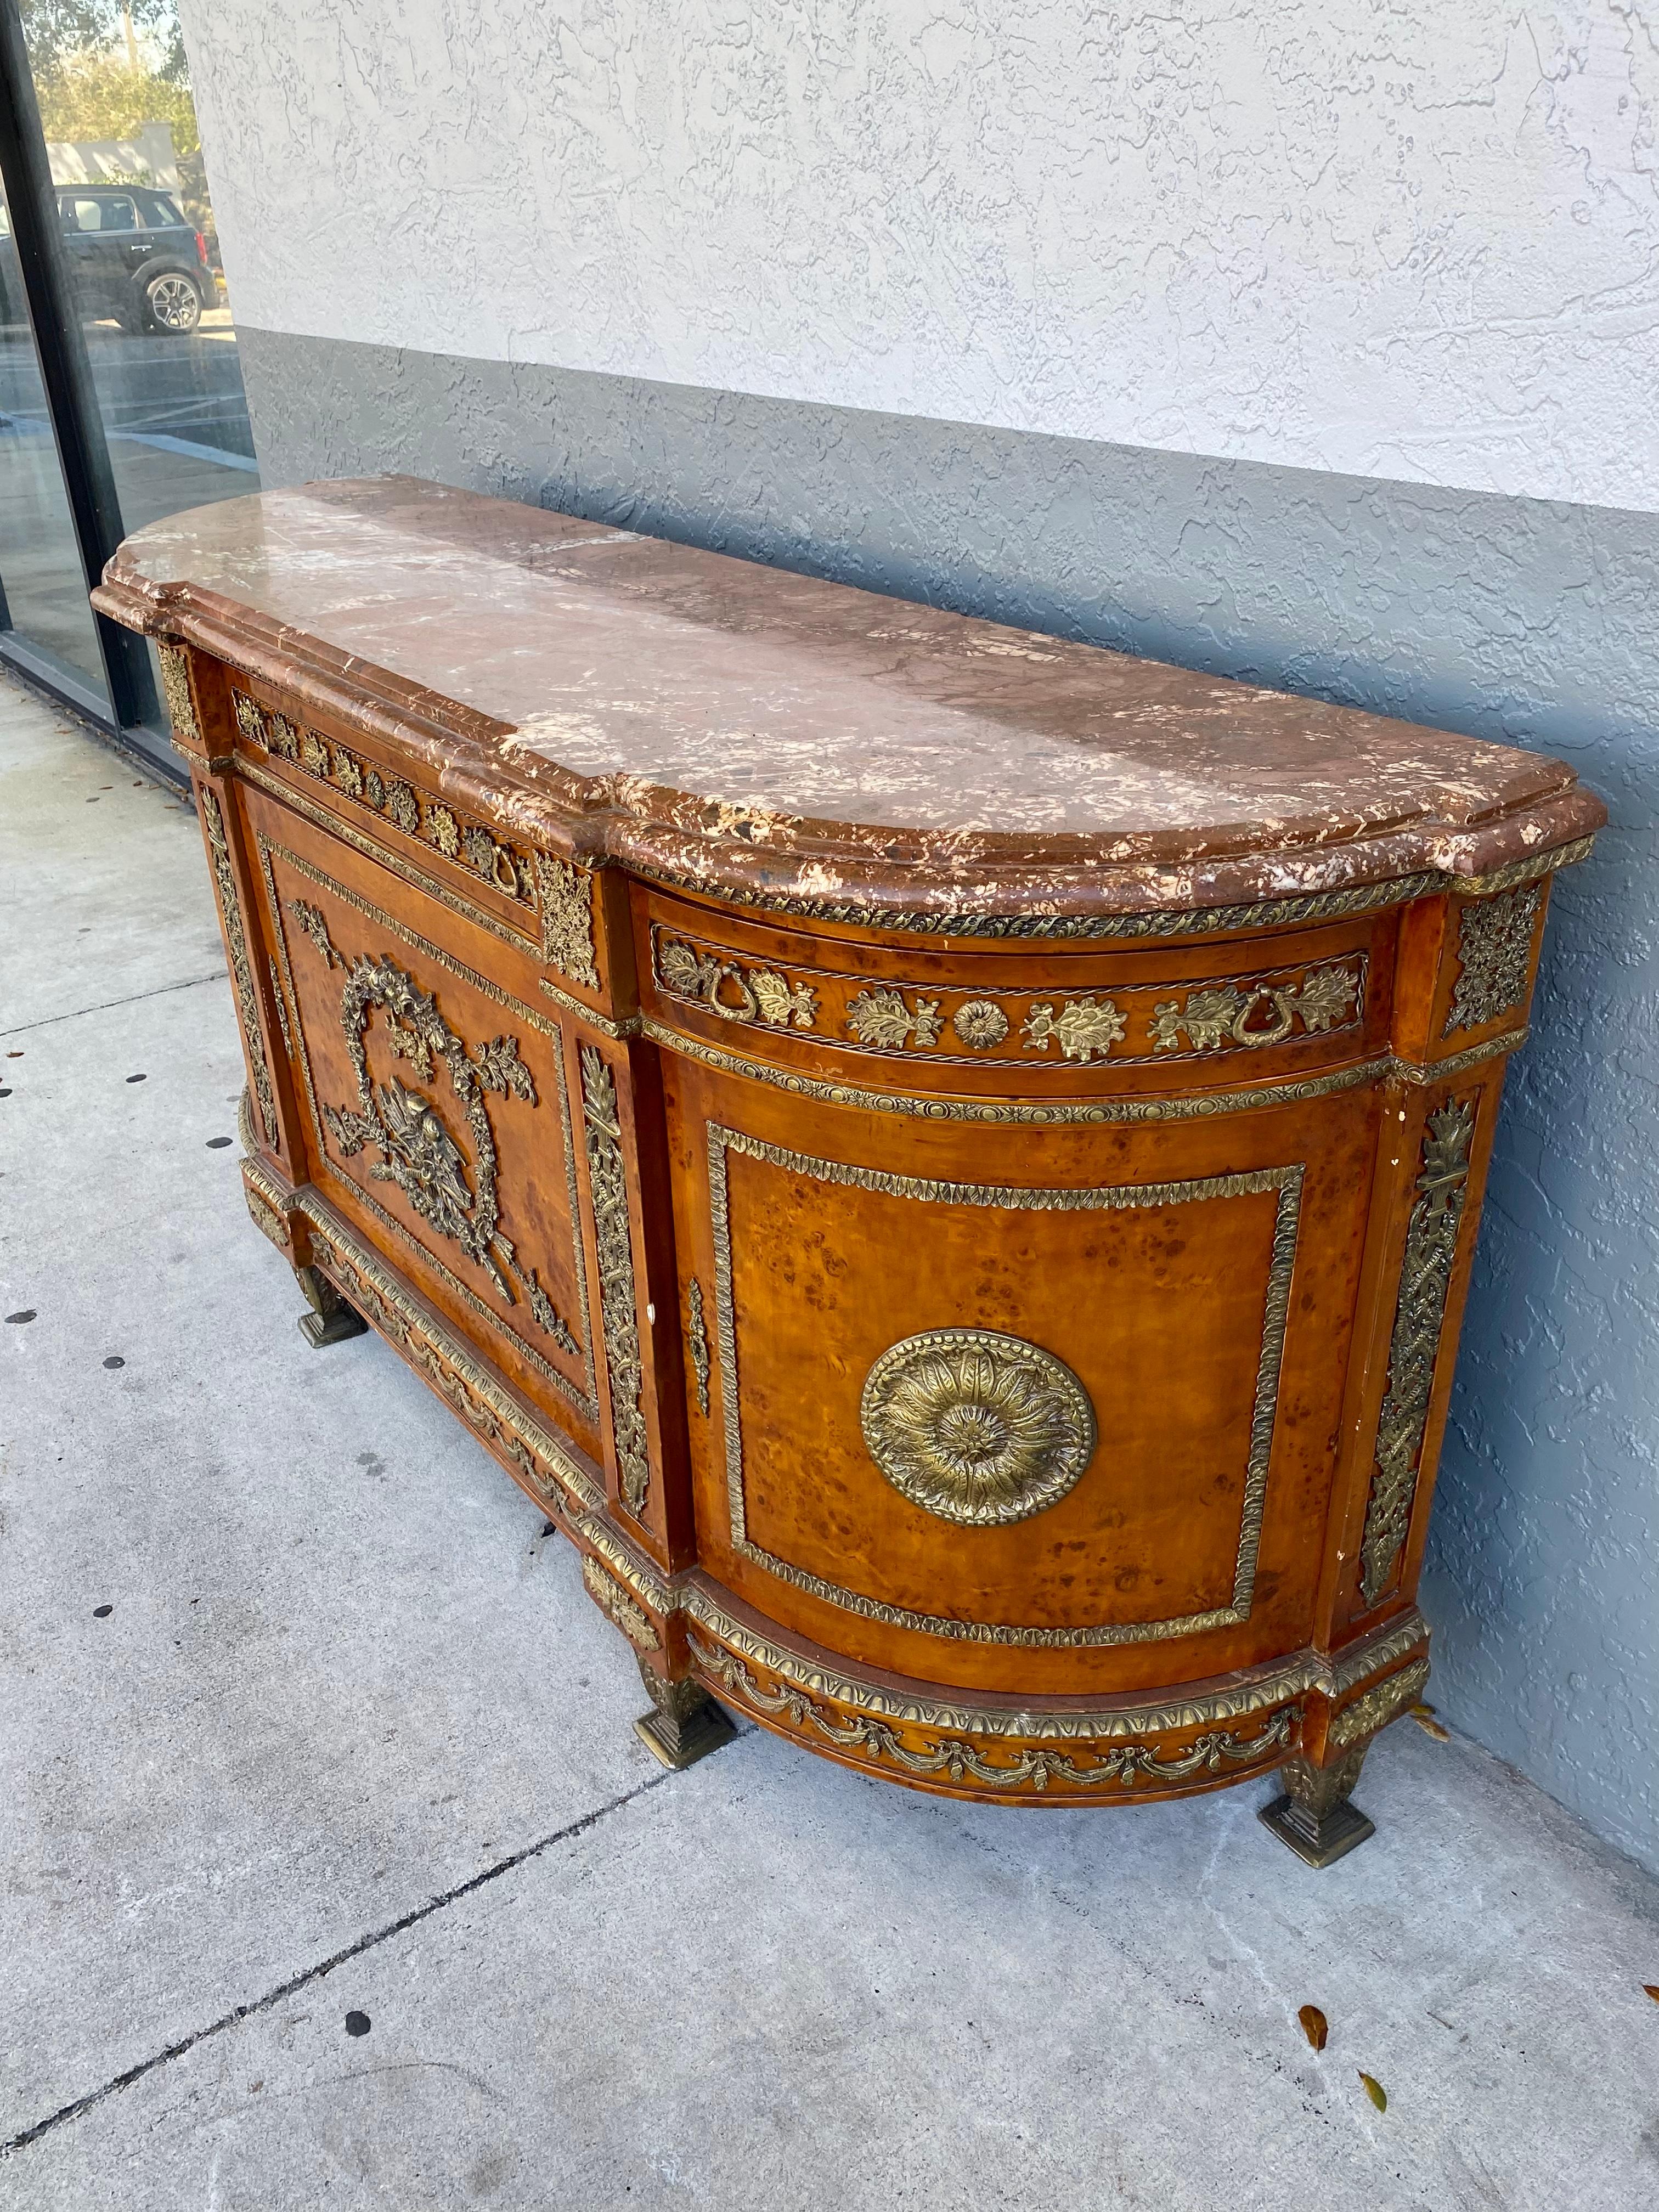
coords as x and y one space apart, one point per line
1047 1410
1191 1016
436 1104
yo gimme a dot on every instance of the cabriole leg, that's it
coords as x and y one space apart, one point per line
330 1319
686 1725
1314 1816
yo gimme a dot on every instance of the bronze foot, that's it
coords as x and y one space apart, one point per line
330 1319
1314 1816
686 1725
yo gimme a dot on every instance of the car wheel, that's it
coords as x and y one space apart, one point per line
172 304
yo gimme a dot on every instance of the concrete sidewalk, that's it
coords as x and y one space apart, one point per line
308 1722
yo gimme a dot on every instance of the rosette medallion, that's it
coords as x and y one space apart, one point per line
976 1427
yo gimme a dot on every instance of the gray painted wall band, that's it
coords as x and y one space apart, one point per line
1528 621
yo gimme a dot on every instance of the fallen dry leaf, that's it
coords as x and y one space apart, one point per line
1315 2025
1376 2092
1652 1989
1423 1716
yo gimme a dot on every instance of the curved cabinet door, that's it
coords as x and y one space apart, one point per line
1049 1410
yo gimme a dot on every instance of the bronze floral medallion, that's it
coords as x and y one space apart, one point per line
981 1023
977 1428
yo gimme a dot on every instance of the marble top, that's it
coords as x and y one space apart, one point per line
717 717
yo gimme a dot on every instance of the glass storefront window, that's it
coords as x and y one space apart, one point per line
146 290
114 87
40 571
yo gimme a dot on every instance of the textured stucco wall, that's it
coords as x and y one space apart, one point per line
1168 328
1387 237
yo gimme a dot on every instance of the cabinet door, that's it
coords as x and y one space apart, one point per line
1057 1408
436 1104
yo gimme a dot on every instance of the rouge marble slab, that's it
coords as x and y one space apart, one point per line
773 736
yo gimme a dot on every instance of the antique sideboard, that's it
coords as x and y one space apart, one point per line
946 1161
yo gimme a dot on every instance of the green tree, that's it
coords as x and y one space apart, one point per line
96 95
58 29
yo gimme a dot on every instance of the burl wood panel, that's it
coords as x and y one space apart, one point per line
948 1163
1199 1280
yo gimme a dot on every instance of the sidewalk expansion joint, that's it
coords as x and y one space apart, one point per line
185 983
316 1973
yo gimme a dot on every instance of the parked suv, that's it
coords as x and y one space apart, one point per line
133 256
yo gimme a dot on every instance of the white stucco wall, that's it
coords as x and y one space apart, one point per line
148 153
1386 237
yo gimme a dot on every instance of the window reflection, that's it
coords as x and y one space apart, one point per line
114 87
44 592
141 249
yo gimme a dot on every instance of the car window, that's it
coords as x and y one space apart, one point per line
159 212
98 214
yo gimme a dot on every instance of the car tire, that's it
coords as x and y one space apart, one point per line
173 306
